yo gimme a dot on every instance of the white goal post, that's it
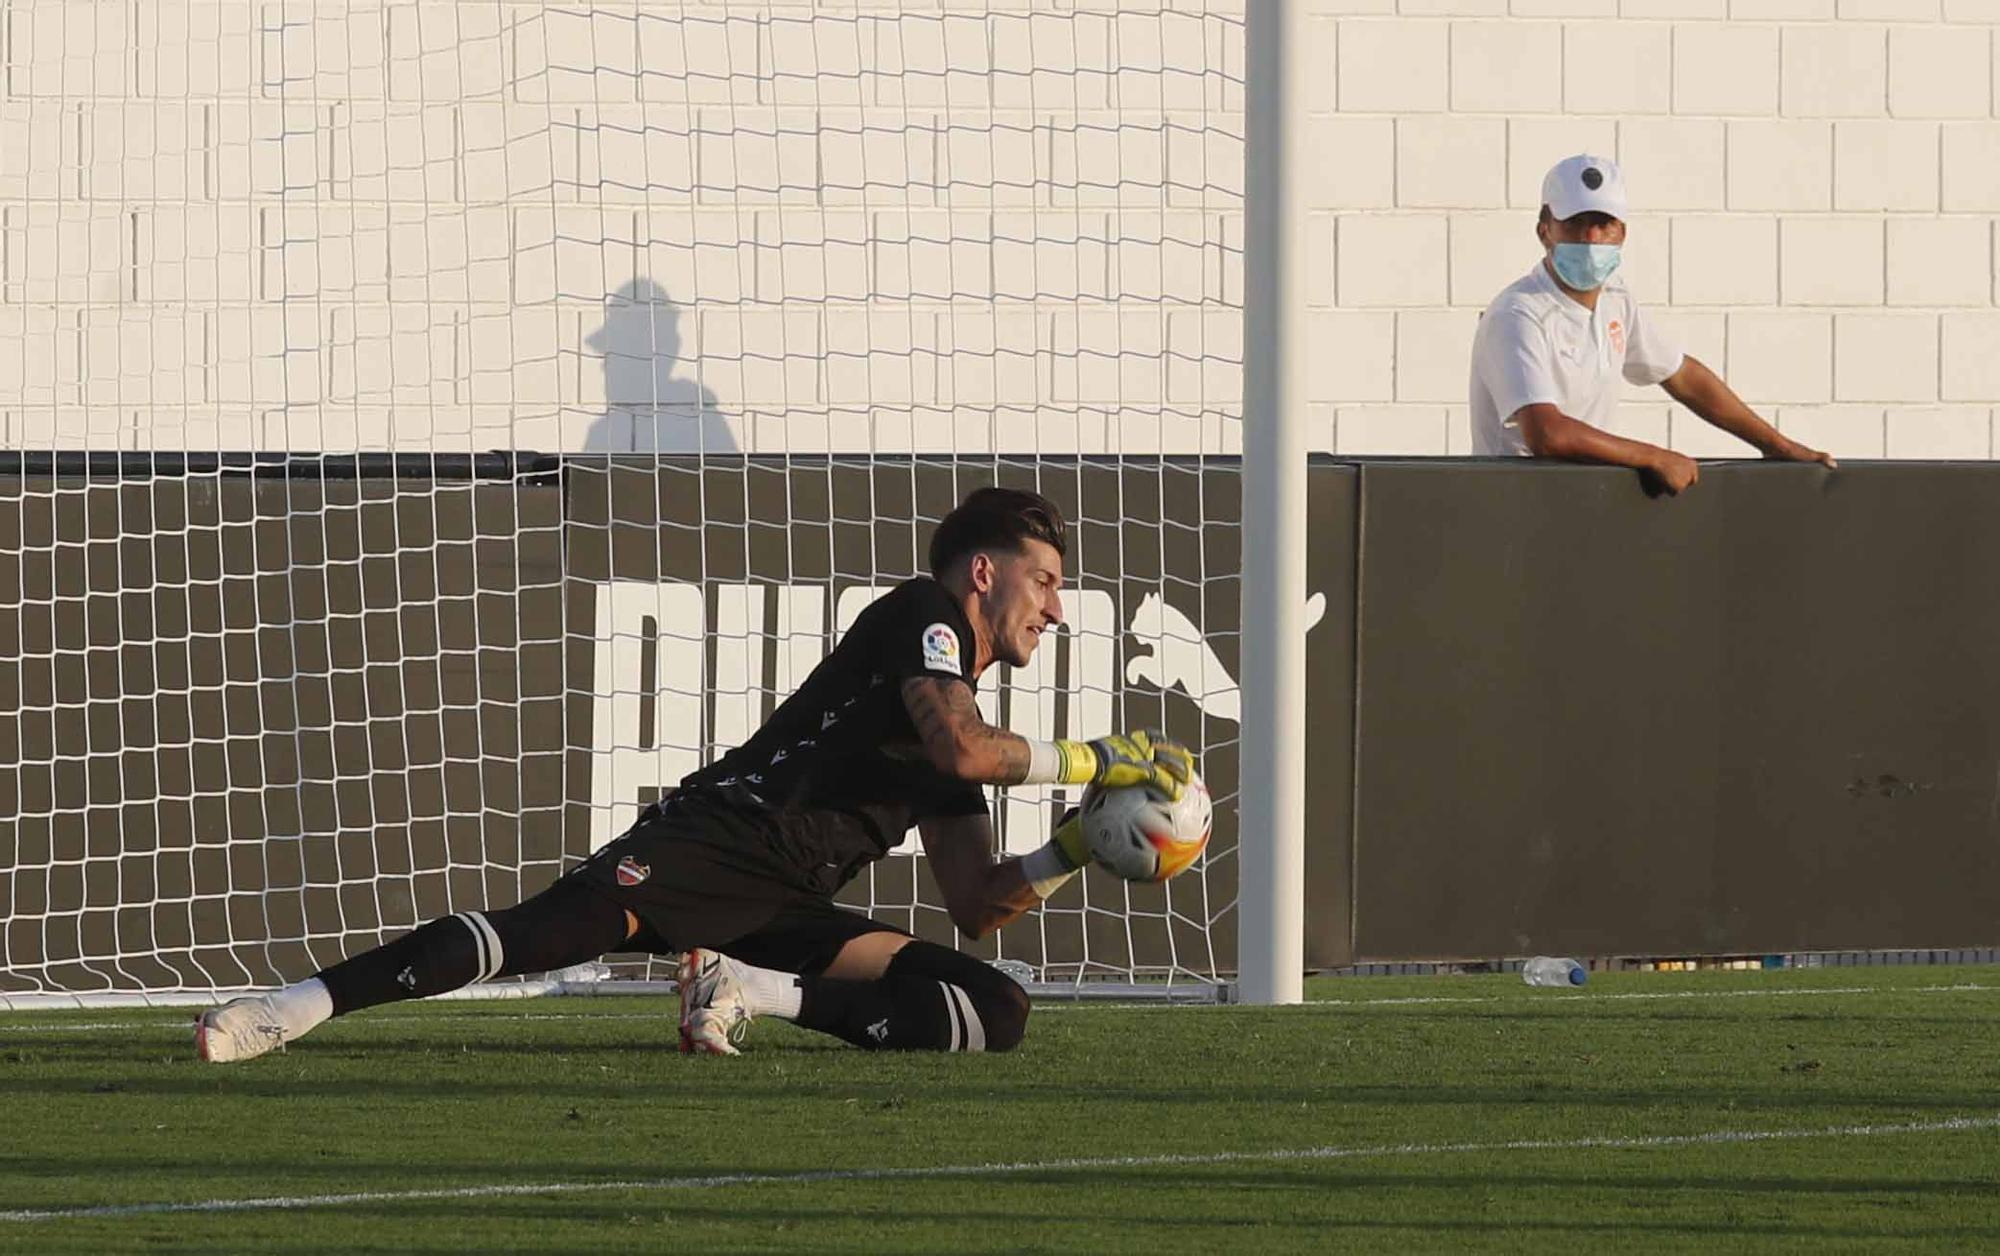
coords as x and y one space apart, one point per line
1271 958
300 645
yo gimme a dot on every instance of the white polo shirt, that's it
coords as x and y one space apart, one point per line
1536 343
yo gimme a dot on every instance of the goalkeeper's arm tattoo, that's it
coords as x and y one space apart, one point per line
958 739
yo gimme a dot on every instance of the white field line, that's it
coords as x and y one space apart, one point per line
1578 998
1643 1142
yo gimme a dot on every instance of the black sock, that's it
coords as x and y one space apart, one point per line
565 924
442 955
931 999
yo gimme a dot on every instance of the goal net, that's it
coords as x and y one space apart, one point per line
427 430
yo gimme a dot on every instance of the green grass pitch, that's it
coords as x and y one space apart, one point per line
1811 1111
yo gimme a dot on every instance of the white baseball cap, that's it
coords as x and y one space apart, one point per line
1584 184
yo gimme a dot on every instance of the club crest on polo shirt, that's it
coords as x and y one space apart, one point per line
631 871
941 650
1617 330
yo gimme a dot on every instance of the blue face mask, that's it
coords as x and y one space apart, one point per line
1585 267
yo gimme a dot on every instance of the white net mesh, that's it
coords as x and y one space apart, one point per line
769 285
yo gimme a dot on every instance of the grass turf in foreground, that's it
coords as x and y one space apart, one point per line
450 1096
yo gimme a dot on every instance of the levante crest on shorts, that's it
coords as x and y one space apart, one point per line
631 871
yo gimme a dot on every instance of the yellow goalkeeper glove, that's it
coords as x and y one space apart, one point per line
1050 867
1136 758
1069 839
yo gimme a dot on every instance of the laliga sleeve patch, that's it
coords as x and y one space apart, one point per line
941 650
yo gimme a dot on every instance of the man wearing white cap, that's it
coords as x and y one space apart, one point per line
1551 350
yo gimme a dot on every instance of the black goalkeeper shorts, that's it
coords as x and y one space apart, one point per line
697 872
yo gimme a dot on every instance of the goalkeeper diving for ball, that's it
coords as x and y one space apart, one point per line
736 870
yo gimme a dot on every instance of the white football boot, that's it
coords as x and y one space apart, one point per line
714 1011
241 1029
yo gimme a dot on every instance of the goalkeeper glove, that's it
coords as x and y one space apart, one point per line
1048 868
1069 838
1136 758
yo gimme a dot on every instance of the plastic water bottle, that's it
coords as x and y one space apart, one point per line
1544 970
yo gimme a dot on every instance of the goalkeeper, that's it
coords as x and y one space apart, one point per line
736 870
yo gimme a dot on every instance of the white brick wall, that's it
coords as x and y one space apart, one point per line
387 223
601 223
1814 184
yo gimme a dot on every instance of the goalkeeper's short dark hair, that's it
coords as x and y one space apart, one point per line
996 518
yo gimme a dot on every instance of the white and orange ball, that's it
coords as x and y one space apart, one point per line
1143 837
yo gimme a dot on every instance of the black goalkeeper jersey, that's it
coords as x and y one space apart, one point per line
843 750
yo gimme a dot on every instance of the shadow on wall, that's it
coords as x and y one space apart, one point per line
647 407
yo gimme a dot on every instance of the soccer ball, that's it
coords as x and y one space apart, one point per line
1145 838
